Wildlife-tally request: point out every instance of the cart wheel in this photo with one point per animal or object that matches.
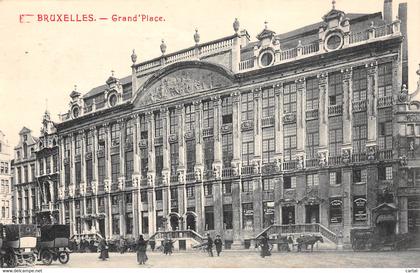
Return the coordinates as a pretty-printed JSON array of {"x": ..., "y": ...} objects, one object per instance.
[
  {"x": 10, "y": 260},
  {"x": 63, "y": 257},
  {"x": 46, "y": 257}
]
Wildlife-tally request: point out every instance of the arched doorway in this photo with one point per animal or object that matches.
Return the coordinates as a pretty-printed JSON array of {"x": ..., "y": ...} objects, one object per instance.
[
  {"x": 174, "y": 220},
  {"x": 191, "y": 220}
]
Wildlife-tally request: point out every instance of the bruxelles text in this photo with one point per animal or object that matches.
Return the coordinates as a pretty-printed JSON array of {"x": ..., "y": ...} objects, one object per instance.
[{"x": 91, "y": 18}]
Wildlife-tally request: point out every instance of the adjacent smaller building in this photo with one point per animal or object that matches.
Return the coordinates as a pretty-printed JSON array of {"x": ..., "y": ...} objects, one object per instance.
[{"x": 5, "y": 181}]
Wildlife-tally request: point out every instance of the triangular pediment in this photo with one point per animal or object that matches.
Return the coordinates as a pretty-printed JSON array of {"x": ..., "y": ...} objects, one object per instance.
[
  {"x": 266, "y": 33},
  {"x": 182, "y": 79}
]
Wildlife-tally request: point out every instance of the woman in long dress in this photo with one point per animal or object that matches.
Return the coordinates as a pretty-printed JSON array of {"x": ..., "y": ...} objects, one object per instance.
[{"x": 141, "y": 250}]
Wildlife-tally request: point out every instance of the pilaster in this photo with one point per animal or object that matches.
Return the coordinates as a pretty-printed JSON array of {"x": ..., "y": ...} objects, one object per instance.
[{"x": 323, "y": 110}]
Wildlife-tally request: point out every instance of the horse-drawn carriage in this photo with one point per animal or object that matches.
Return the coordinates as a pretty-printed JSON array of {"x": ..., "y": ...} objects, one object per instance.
[
  {"x": 369, "y": 239},
  {"x": 53, "y": 244},
  {"x": 19, "y": 245}
]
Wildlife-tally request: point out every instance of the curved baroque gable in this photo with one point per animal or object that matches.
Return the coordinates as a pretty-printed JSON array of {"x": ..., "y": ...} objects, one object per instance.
[{"x": 182, "y": 79}]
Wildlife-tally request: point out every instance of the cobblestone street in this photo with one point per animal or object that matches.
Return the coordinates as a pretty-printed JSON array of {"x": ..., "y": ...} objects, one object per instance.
[{"x": 229, "y": 259}]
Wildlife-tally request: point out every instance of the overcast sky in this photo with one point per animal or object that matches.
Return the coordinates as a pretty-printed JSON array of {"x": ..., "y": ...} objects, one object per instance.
[{"x": 40, "y": 61}]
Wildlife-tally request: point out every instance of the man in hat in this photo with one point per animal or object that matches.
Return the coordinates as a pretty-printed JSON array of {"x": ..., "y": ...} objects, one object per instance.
[
  {"x": 209, "y": 245},
  {"x": 218, "y": 244}
]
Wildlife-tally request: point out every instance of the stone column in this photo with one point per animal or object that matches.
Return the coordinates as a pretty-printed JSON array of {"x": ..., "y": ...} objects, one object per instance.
[
  {"x": 236, "y": 214},
  {"x": 257, "y": 204},
  {"x": 324, "y": 184},
  {"x": 181, "y": 131},
  {"x": 151, "y": 148},
  {"x": 300, "y": 114},
  {"x": 136, "y": 176},
  {"x": 347, "y": 203},
  {"x": 94, "y": 182},
  {"x": 198, "y": 138},
  {"x": 217, "y": 163},
  {"x": 166, "y": 151},
  {"x": 218, "y": 206},
  {"x": 372, "y": 95},
  {"x": 108, "y": 181},
  {"x": 347, "y": 105},
  {"x": 121, "y": 178},
  {"x": 278, "y": 116},
  {"x": 151, "y": 211},
  {"x": 236, "y": 130},
  {"x": 323, "y": 113},
  {"x": 257, "y": 124}
]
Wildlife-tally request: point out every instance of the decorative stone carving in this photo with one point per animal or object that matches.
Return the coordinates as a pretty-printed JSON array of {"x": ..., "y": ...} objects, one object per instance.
[
  {"x": 216, "y": 172},
  {"x": 61, "y": 193},
  {"x": 182, "y": 82},
  {"x": 83, "y": 189},
  {"x": 226, "y": 128},
  {"x": 165, "y": 178},
  {"x": 197, "y": 174},
  {"x": 247, "y": 125},
  {"x": 235, "y": 168},
  {"x": 181, "y": 177},
  {"x": 71, "y": 191},
  {"x": 403, "y": 160},
  {"x": 289, "y": 118},
  {"x": 371, "y": 153},
  {"x": 346, "y": 156},
  {"x": 278, "y": 164},
  {"x": 403, "y": 96},
  {"x": 121, "y": 183},
  {"x": 173, "y": 138},
  {"x": 322, "y": 156},
  {"x": 149, "y": 179},
  {"x": 189, "y": 135},
  {"x": 257, "y": 166},
  {"x": 301, "y": 162},
  {"x": 136, "y": 181}
]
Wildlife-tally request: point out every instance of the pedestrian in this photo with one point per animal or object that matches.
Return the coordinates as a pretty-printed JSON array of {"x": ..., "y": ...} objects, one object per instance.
[
  {"x": 290, "y": 243},
  {"x": 122, "y": 245},
  {"x": 103, "y": 249},
  {"x": 218, "y": 244},
  {"x": 209, "y": 245},
  {"x": 167, "y": 246},
  {"x": 265, "y": 247},
  {"x": 141, "y": 247},
  {"x": 152, "y": 244}
]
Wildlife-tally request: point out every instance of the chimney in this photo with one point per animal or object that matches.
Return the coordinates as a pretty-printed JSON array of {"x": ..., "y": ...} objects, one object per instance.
[
  {"x": 388, "y": 11},
  {"x": 402, "y": 15}
]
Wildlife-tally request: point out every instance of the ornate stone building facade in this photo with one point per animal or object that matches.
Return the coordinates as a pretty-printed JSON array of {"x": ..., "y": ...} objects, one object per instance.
[
  {"x": 236, "y": 136},
  {"x": 6, "y": 201}
]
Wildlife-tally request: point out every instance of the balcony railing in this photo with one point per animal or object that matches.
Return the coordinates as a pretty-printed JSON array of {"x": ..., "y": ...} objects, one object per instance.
[
  {"x": 143, "y": 181},
  {"x": 247, "y": 64},
  {"x": 208, "y": 132},
  {"x": 359, "y": 106},
  {"x": 128, "y": 183},
  {"x": 385, "y": 101},
  {"x": 190, "y": 176},
  {"x": 247, "y": 170},
  {"x": 358, "y": 157},
  {"x": 334, "y": 110},
  {"x": 267, "y": 121},
  {"x": 208, "y": 174},
  {"x": 290, "y": 165},
  {"x": 385, "y": 154},
  {"x": 312, "y": 114},
  {"x": 334, "y": 160},
  {"x": 312, "y": 162},
  {"x": 228, "y": 172}
]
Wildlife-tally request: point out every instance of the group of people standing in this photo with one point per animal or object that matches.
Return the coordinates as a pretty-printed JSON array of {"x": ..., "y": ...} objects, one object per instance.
[
  {"x": 217, "y": 243},
  {"x": 141, "y": 246}
]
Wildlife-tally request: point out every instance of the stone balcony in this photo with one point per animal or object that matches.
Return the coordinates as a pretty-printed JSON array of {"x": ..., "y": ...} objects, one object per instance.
[
  {"x": 359, "y": 106},
  {"x": 385, "y": 101},
  {"x": 312, "y": 114},
  {"x": 335, "y": 110}
]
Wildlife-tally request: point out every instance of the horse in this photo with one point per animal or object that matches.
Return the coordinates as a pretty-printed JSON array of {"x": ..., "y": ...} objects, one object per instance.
[{"x": 308, "y": 240}]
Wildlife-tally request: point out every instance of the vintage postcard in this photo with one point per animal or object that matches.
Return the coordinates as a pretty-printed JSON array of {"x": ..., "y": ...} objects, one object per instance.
[{"x": 210, "y": 134}]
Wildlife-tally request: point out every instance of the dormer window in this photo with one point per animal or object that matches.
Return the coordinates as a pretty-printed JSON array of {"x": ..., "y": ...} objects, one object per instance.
[
  {"x": 266, "y": 59},
  {"x": 334, "y": 41},
  {"x": 25, "y": 138},
  {"x": 113, "y": 100},
  {"x": 75, "y": 112}
]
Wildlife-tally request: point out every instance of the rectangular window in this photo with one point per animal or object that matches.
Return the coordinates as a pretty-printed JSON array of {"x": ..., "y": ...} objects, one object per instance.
[
  {"x": 190, "y": 192},
  {"x": 145, "y": 222},
  {"x": 335, "y": 178},
  {"x": 129, "y": 131},
  {"x": 289, "y": 141},
  {"x": 385, "y": 135},
  {"x": 67, "y": 174},
  {"x": 190, "y": 147},
  {"x": 247, "y": 106},
  {"x": 359, "y": 132},
  {"x": 129, "y": 223},
  {"x": 289, "y": 98},
  {"x": 209, "y": 217},
  {"x": 248, "y": 147},
  {"x": 268, "y": 211},
  {"x": 359, "y": 176},
  {"x": 227, "y": 188},
  {"x": 115, "y": 167},
  {"x": 78, "y": 170},
  {"x": 101, "y": 137},
  {"x": 189, "y": 118},
  {"x": 143, "y": 196},
  {"x": 78, "y": 144},
  {"x": 312, "y": 139},
  {"x": 385, "y": 80},
  {"x": 129, "y": 165},
  {"x": 359, "y": 83},
  {"x": 227, "y": 216},
  {"x": 159, "y": 195},
  {"x": 26, "y": 173},
  {"x": 208, "y": 190},
  {"x": 115, "y": 134},
  {"x": 336, "y": 211},
  {"x": 312, "y": 180},
  {"x": 385, "y": 173},
  {"x": 159, "y": 160},
  {"x": 335, "y": 88},
  {"x": 158, "y": 125},
  {"x": 143, "y": 127},
  {"x": 55, "y": 164},
  {"x": 67, "y": 147},
  {"x": 48, "y": 165},
  {"x": 312, "y": 94},
  {"x": 359, "y": 208},
  {"x": 227, "y": 149},
  {"x": 268, "y": 184},
  {"x": 289, "y": 182},
  {"x": 159, "y": 220},
  {"x": 335, "y": 136},
  {"x": 268, "y": 102},
  {"x": 268, "y": 145},
  {"x": 208, "y": 114},
  {"x": 174, "y": 193},
  {"x": 174, "y": 149},
  {"x": 101, "y": 170},
  {"x": 89, "y": 141},
  {"x": 41, "y": 167},
  {"x": 247, "y": 186},
  {"x": 173, "y": 121},
  {"x": 227, "y": 110},
  {"x": 208, "y": 150},
  {"x": 247, "y": 216},
  {"x": 144, "y": 158}
]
